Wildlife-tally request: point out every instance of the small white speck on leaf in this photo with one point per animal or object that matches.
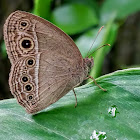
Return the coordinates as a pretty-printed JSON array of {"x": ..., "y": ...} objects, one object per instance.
[{"x": 98, "y": 135}]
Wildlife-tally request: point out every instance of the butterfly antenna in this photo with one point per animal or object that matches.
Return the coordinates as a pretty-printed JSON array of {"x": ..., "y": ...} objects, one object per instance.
[
  {"x": 99, "y": 48},
  {"x": 95, "y": 40}
]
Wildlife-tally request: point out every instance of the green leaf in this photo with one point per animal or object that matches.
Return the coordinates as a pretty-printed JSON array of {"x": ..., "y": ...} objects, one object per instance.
[
  {"x": 118, "y": 9},
  {"x": 3, "y": 50},
  {"x": 42, "y": 8},
  {"x": 115, "y": 112},
  {"x": 90, "y": 3},
  {"x": 74, "y": 18}
]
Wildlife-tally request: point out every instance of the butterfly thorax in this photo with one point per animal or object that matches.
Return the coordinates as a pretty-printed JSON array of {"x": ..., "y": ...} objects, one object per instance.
[{"x": 88, "y": 64}]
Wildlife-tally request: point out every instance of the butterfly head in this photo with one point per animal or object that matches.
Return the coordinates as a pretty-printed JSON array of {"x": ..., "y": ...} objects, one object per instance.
[{"x": 89, "y": 63}]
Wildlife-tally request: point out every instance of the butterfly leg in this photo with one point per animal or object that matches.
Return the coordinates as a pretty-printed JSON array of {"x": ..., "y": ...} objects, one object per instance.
[
  {"x": 96, "y": 83},
  {"x": 75, "y": 98}
]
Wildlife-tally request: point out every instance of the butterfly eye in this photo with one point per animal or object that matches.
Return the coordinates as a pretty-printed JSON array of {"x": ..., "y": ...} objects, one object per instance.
[
  {"x": 30, "y": 97},
  {"x": 25, "y": 79},
  {"x": 30, "y": 62},
  {"x": 24, "y": 72},
  {"x": 28, "y": 87},
  {"x": 23, "y": 25},
  {"x": 26, "y": 44}
]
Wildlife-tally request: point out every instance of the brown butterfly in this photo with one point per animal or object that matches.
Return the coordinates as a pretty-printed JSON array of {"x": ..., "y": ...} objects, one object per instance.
[{"x": 46, "y": 63}]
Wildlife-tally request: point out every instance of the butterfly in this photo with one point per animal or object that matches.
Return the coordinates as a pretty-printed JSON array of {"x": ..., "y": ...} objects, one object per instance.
[{"x": 46, "y": 63}]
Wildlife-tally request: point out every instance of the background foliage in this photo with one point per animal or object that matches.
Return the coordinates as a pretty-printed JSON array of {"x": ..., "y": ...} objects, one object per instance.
[{"x": 82, "y": 19}]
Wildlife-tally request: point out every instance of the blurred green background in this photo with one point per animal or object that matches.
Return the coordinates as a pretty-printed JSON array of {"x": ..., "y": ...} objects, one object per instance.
[{"x": 82, "y": 19}]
